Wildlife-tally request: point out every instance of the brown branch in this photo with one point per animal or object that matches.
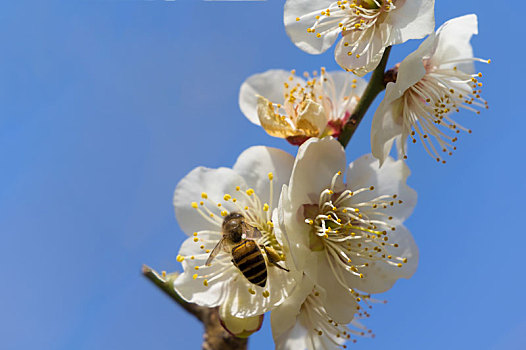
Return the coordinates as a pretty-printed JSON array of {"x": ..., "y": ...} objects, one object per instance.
[{"x": 215, "y": 336}]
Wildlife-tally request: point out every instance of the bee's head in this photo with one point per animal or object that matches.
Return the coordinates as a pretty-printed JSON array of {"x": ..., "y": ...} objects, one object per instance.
[{"x": 233, "y": 227}]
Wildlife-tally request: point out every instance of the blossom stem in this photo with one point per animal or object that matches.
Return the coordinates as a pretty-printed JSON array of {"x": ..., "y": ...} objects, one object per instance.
[
  {"x": 215, "y": 337},
  {"x": 376, "y": 85}
]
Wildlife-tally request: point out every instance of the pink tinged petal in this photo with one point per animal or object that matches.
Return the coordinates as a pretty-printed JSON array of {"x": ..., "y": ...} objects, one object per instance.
[
  {"x": 366, "y": 56},
  {"x": 412, "y": 19},
  {"x": 240, "y": 327},
  {"x": 215, "y": 183},
  {"x": 453, "y": 39},
  {"x": 389, "y": 180},
  {"x": 256, "y": 163},
  {"x": 306, "y": 11},
  {"x": 380, "y": 276},
  {"x": 317, "y": 162},
  {"x": 269, "y": 84}
]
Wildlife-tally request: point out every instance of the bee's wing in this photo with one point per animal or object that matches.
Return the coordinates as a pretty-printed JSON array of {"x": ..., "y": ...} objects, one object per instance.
[
  {"x": 220, "y": 245},
  {"x": 251, "y": 232}
]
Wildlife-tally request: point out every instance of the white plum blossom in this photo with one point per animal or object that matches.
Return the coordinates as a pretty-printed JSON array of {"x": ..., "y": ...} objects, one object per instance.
[
  {"x": 356, "y": 226},
  {"x": 367, "y": 27},
  {"x": 290, "y": 107},
  {"x": 437, "y": 79},
  {"x": 302, "y": 321},
  {"x": 201, "y": 199}
]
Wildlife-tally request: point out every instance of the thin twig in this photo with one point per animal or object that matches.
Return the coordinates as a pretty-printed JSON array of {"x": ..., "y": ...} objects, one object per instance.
[{"x": 375, "y": 86}]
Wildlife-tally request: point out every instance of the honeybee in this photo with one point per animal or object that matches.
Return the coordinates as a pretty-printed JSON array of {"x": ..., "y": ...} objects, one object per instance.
[{"x": 246, "y": 254}]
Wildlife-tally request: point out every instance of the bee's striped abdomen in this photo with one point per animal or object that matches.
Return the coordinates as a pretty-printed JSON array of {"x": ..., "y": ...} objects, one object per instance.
[{"x": 250, "y": 261}]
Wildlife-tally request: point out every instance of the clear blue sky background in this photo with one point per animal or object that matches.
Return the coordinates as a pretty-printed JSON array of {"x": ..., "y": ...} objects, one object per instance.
[{"x": 105, "y": 105}]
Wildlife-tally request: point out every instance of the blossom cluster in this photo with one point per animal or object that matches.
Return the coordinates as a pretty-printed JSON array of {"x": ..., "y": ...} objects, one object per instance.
[{"x": 310, "y": 238}]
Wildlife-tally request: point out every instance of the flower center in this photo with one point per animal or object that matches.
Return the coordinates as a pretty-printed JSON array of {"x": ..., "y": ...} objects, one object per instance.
[
  {"x": 352, "y": 232},
  {"x": 427, "y": 105},
  {"x": 255, "y": 212}
]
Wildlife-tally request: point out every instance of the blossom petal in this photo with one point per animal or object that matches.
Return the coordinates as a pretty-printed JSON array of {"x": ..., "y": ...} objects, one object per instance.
[
  {"x": 317, "y": 162},
  {"x": 255, "y": 164},
  {"x": 413, "y": 20},
  {"x": 268, "y": 84},
  {"x": 370, "y": 48},
  {"x": 284, "y": 317},
  {"x": 306, "y": 11},
  {"x": 340, "y": 303},
  {"x": 294, "y": 232},
  {"x": 380, "y": 276},
  {"x": 215, "y": 183},
  {"x": 390, "y": 180},
  {"x": 240, "y": 327},
  {"x": 386, "y": 124},
  {"x": 453, "y": 42}
]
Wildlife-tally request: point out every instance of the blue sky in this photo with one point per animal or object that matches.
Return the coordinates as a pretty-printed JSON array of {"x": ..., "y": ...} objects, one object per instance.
[{"x": 106, "y": 105}]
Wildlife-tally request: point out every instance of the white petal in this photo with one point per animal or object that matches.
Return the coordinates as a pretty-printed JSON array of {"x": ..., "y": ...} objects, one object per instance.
[
  {"x": 307, "y": 10},
  {"x": 453, "y": 42},
  {"x": 386, "y": 125},
  {"x": 316, "y": 164},
  {"x": 414, "y": 19},
  {"x": 342, "y": 94},
  {"x": 215, "y": 183},
  {"x": 193, "y": 289},
  {"x": 294, "y": 339},
  {"x": 390, "y": 179},
  {"x": 339, "y": 303},
  {"x": 254, "y": 165},
  {"x": 269, "y": 85},
  {"x": 283, "y": 318},
  {"x": 240, "y": 327},
  {"x": 379, "y": 276},
  {"x": 371, "y": 48}
]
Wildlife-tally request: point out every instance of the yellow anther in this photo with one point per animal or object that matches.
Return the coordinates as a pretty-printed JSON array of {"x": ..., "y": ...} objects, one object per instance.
[
  {"x": 163, "y": 274},
  {"x": 207, "y": 251},
  {"x": 250, "y": 192},
  {"x": 318, "y": 35},
  {"x": 204, "y": 195},
  {"x": 194, "y": 205},
  {"x": 227, "y": 197},
  {"x": 180, "y": 258},
  {"x": 196, "y": 267},
  {"x": 251, "y": 291},
  {"x": 265, "y": 207},
  {"x": 205, "y": 282},
  {"x": 270, "y": 176},
  {"x": 238, "y": 188},
  {"x": 371, "y": 188},
  {"x": 266, "y": 294},
  {"x": 224, "y": 213},
  {"x": 356, "y": 210},
  {"x": 297, "y": 18},
  {"x": 194, "y": 276}
]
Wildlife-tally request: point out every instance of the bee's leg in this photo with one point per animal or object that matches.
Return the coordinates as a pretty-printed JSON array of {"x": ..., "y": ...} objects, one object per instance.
[{"x": 273, "y": 257}]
